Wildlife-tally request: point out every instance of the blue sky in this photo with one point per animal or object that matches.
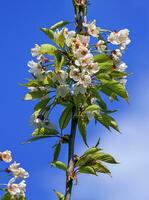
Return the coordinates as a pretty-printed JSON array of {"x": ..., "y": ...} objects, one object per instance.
[{"x": 19, "y": 31}]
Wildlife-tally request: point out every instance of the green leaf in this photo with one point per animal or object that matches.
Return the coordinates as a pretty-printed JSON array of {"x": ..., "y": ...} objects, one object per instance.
[
  {"x": 7, "y": 196},
  {"x": 107, "y": 158},
  {"x": 59, "y": 165},
  {"x": 98, "y": 167},
  {"x": 48, "y": 32},
  {"x": 84, "y": 160},
  {"x": 91, "y": 151},
  {"x": 45, "y": 131},
  {"x": 116, "y": 87},
  {"x": 105, "y": 62},
  {"x": 35, "y": 95},
  {"x": 112, "y": 96},
  {"x": 59, "y": 25},
  {"x": 47, "y": 49},
  {"x": 87, "y": 170},
  {"x": 65, "y": 117},
  {"x": 36, "y": 138},
  {"x": 107, "y": 121},
  {"x": 60, "y": 40},
  {"x": 59, "y": 61},
  {"x": 31, "y": 83},
  {"x": 59, "y": 195},
  {"x": 82, "y": 124},
  {"x": 42, "y": 104},
  {"x": 118, "y": 74},
  {"x": 48, "y": 80},
  {"x": 100, "y": 101},
  {"x": 91, "y": 108},
  {"x": 57, "y": 152}
]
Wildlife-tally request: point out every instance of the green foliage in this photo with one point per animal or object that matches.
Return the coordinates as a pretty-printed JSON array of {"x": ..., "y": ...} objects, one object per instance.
[
  {"x": 59, "y": 165},
  {"x": 42, "y": 133},
  {"x": 57, "y": 151},
  {"x": 105, "y": 62},
  {"x": 115, "y": 87},
  {"x": 48, "y": 49},
  {"x": 59, "y": 24},
  {"x": 82, "y": 124},
  {"x": 48, "y": 32},
  {"x": 42, "y": 104},
  {"x": 7, "y": 196},
  {"x": 91, "y": 162},
  {"x": 35, "y": 95},
  {"x": 107, "y": 121},
  {"x": 59, "y": 195},
  {"x": 65, "y": 117},
  {"x": 59, "y": 61}
]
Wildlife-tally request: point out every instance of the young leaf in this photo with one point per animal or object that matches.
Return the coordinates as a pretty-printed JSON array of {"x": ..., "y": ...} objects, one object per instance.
[
  {"x": 42, "y": 104},
  {"x": 35, "y": 95},
  {"x": 59, "y": 61},
  {"x": 57, "y": 152},
  {"x": 107, "y": 158},
  {"x": 91, "y": 108},
  {"x": 65, "y": 117},
  {"x": 7, "y": 196},
  {"x": 36, "y": 138},
  {"x": 59, "y": 195},
  {"x": 105, "y": 62},
  {"x": 48, "y": 32},
  {"x": 98, "y": 167},
  {"x": 87, "y": 170},
  {"x": 59, "y": 165},
  {"x": 47, "y": 49},
  {"x": 59, "y": 25},
  {"x": 82, "y": 128},
  {"x": 91, "y": 151},
  {"x": 60, "y": 40},
  {"x": 107, "y": 121},
  {"x": 116, "y": 87}
]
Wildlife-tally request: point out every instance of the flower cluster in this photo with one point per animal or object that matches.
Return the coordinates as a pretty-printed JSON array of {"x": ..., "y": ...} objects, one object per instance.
[
  {"x": 13, "y": 188},
  {"x": 76, "y": 70}
]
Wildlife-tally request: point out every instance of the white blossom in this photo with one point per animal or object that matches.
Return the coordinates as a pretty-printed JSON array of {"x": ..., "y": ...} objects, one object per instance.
[
  {"x": 120, "y": 38},
  {"x": 93, "y": 68},
  {"x": 62, "y": 90},
  {"x": 121, "y": 67},
  {"x": 101, "y": 46},
  {"x": 60, "y": 76},
  {"x": 17, "y": 190},
  {"x": 82, "y": 51},
  {"x": 6, "y": 156},
  {"x": 74, "y": 73},
  {"x": 85, "y": 80},
  {"x": 79, "y": 41},
  {"x": 123, "y": 81},
  {"x": 85, "y": 60},
  {"x": 36, "y": 51},
  {"x": 35, "y": 68},
  {"x": 36, "y": 121},
  {"x": 79, "y": 89},
  {"x": 117, "y": 54},
  {"x": 84, "y": 40},
  {"x": 80, "y": 2},
  {"x": 17, "y": 171},
  {"x": 92, "y": 29}
]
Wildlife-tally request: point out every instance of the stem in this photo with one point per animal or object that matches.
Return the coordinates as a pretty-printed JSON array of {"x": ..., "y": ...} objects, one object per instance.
[
  {"x": 71, "y": 162},
  {"x": 79, "y": 17}
]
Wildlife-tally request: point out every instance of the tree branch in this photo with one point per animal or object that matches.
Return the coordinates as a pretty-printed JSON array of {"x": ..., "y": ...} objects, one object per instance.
[{"x": 71, "y": 163}]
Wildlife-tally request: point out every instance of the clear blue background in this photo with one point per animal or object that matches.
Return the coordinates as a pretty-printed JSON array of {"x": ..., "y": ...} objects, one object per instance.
[{"x": 19, "y": 31}]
